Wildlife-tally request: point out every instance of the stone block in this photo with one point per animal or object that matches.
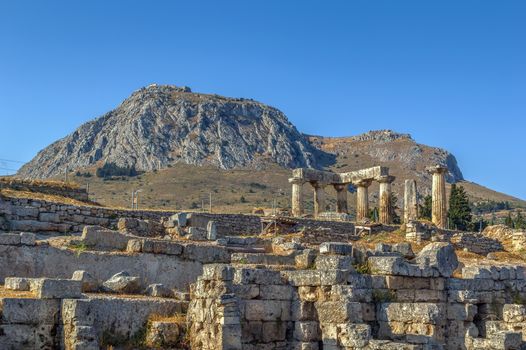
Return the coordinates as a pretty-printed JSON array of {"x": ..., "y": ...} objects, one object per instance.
[
  {"x": 27, "y": 238},
  {"x": 48, "y": 288},
  {"x": 388, "y": 265},
  {"x": 100, "y": 237},
  {"x": 342, "y": 311},
  {"x": 355, "y": 335},
  {"x": 336, "y": 248},
  {"x": 30, "y": 311},
  {"x": 9, "y": 239},
  {"x": 17, "y": 283},
  {"x": 263, "y": 310},
  {"x": 275, "y": 292},
  {"x": 158, "y": 290},
  {"x": 49, "y": 217},
  {"x": 257, "y": 276},
  {"x": 305, "y": 259},
  {"x": 273, "y": 331},
  {"x": 440, "y": 256},
  {"x": 134, "y": 246},
  {"x": 307, "y": 331},
  {"x": 333, "y": 262},
  {"x": 303, "y": 277},
  {"x": 122, "y": 282},
  {"x": 221, "y": 272},
  {"x": 206, "y": 254},
  {"x": 89, "y": 283},
  {"x": 211, "y": 230}
]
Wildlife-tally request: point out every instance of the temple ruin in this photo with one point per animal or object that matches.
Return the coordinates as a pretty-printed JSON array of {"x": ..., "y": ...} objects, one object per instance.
[{"x": 361, "y": 179}]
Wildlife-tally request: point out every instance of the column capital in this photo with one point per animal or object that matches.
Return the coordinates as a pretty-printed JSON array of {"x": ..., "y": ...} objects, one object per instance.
[
  {"x": 340, "y": 187},
  {"x": 436, "y": 169},
  {"x": 318, "y": 184},
  {"x": 296, "y": 181},
  {"x": 364, "y": 183},
  {"x": 386, "y": 179}
]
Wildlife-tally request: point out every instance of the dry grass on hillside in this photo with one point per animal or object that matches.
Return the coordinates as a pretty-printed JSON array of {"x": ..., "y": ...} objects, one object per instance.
[
  {"x": 48, "y": 183},
  {"x": 42, "y": 196}
]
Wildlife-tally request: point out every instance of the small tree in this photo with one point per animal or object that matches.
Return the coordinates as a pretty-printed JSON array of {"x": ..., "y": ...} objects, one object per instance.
[
  {"x": 242, "y": 199},
  {"x": 459, "y": 212},
  {"x": 425, "y": 210},
  {"x": 519, "y": 223},
  {"x": 509, "y": 220}
]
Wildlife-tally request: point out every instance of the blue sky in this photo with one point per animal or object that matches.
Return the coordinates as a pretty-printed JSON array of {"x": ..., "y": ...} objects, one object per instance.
[{"x": 451, "y": 73}]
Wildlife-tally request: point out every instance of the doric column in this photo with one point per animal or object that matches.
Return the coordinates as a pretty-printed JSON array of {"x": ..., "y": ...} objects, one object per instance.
[
  {"x": 439, "y": 209},
  {"x": 362, "y": 199},
  {"x": 341, "y": 198},
  {"x": 297, "y": 196},
  {"x": 385, "y": 199},
  {"x": 319, "y": 198},
  {"x": 410, "y": 201}
]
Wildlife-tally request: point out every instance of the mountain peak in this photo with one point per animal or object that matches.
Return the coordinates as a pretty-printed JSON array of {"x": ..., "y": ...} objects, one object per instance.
[{"x": 160, "y": 125}]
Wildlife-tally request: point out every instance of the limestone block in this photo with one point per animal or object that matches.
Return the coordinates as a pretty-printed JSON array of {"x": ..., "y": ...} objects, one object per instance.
[
  {"x": 511, "y": 313},
  {"x": 341, "y": 311},
  {"x": 17, "y": 283},
  {"x": 89, "y": 283},
  {"x": 332, "y": 277},
  {"x": 30, "y": 311},
  {"x": 181, "y": 219},
  {"x": 197, "y": 234},
  {"x": 276, "y": 292},
  {"x": 206, "y": 254},
  {"x": 440, "y": 256},
  {"x": 263, "y": 310},
  {"x": 26, "y": 212},
  {"x": 257, "y": 276},
  {"x": 423, "y": 313},
  {"x": 333, "y": 262},
  {"x": 222, "y": 272},
  {"x": 307, "y": 331},
  {"x": 163, "y": 333},
  {"x": 247, "y": 291},
  {"x": 161, "y": 247},
  {"x": 354, "y": 335},
  {"x": 158, "y": 290},
  {"x": 303, "y": 277},
  {"x": 9, "y": 239},
  {"x": 100, "y": 237},
  {"x": 49, "y": 217},
  {"x": 403, "y": 248},
  {"x": 27, "y": 238},
  {"x": 122, "y": 282},
  {"x": 388, "y": 265},
  {"x": 211, "y": 230},
  {"x": 48, "y": 288},
  {"x": 303, "y": 311},
  {"x": 336, "y": 248},
  {"x": 134, "y": 246},
  {"x": 273, "y": 331},
  {"x": 305, "y": 259},
  {"x": 462, "y": 312}
]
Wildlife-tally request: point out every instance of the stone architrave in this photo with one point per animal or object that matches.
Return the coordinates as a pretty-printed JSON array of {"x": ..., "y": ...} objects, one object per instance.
[
  {"x": 341, "y": 198},
  {"x": 439, "y": 208},
  {"x": 410, "y": 201},
  {"x": 362, "y": 199},
  {"x": 297, "y": 196},
  {"x": 385, "y": 199}
]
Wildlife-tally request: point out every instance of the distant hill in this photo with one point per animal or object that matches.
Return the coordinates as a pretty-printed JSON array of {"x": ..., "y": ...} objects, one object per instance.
[
  {"x": 190, "y": 145},
  {"x": 162, "y": 125}
]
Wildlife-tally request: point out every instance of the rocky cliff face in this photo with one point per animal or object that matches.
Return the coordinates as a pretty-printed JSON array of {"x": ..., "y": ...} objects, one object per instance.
[
  {"x": 404, "y": 157},
  {"x": 161, "y": 125}
]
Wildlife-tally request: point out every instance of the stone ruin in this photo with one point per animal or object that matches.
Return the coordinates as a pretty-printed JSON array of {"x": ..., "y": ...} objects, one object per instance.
[{"x": 84, "y": 277}]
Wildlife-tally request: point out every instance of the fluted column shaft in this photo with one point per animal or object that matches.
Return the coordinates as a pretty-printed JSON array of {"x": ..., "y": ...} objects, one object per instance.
[
  {"x": 341, "y": 198},
  {"x": 410, "y": 201},
  {"x": 439, "y": 208},
  {"x": 385, "y": 199},
  {"x": 319, "y": 198},
  {"x": 362, "y": 200},
  {"x": 297, "y": 197}
]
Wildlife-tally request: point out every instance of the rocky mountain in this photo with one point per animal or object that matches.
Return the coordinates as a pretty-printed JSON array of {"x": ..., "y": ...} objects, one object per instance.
[
  {"x": 405, "y": 157},
  {"x": 162, "y": 125}
]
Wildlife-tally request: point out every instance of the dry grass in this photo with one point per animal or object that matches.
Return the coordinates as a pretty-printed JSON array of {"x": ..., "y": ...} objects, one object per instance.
[
  {"x": 6, "y": 293},
  {"x": 48, "y": 183},
  {"x": 42, "y": 196}
]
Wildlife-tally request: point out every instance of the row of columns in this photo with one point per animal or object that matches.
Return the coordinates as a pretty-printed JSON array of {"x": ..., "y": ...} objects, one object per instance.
[
  {"x": 438, "y": 194},
  {"x": 439, "y": 203},
  {"x": 362, "y": 205}
]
